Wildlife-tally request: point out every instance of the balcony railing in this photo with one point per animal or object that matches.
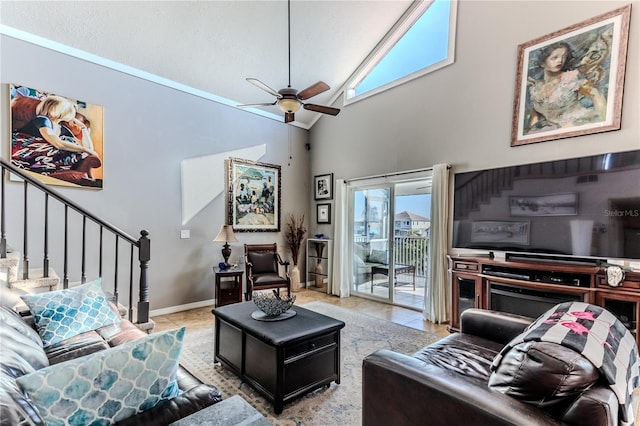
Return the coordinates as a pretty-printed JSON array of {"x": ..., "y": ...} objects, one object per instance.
[{"x": 407, "y": 250}]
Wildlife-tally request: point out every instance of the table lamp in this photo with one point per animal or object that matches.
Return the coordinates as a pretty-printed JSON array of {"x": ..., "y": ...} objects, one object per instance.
[{"x": 224, "y": 236}]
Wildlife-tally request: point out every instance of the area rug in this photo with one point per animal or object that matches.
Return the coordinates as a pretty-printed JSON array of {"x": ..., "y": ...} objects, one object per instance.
[{"x": 337, "y": 405}]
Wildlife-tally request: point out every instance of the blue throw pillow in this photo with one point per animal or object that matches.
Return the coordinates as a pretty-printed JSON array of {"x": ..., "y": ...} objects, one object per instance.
[
  {"x": 108, "y": 386},
  {"x": 62, "y": 314}
]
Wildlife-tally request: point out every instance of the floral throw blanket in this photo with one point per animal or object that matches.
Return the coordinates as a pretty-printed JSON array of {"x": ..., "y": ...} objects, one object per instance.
[
  {"x": 600, "y": 337},
  {"x": 37, "y": 155}
]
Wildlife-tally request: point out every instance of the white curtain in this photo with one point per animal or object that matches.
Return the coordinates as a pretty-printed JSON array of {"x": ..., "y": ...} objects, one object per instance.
[
  {"x": 437, "y": 296},
  {"x": 340, "y": 278}
]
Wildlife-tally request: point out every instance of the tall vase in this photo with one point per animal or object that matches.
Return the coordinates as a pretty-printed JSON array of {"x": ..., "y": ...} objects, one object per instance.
[
  {"x": 318, "y": 269},
  {"x": 294, "y": 274},
  {"x": 319, "y": 277}
]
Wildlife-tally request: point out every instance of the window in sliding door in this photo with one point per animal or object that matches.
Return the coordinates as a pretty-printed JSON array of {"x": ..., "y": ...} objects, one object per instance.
[
  {"x": 371, "y": 229},
  {"x": 390, "y": 239}
]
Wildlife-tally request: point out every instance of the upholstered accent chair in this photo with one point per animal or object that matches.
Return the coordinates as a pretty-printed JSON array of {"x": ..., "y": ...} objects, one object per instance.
[{"x": 263, "y": 265}]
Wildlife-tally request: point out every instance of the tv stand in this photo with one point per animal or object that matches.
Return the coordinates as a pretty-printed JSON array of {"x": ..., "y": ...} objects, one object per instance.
[
  {"x": 530, "y": 286},
  {"x": 533, "y": 257}
]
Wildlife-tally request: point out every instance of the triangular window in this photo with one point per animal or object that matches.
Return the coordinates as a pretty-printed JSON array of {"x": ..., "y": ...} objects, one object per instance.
[{"x": 422, "y": 41}]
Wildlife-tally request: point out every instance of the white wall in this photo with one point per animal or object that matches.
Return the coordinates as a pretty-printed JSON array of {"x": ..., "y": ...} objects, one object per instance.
[
  {"x": 149, "y": 130},
  {"x": 461, "y": 114}
]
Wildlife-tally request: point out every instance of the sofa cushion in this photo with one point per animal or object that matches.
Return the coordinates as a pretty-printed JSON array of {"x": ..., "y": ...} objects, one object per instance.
[
  {"x": 110, "y": 385},
  {"x": 62, "y": 314},
  {"x": 462, "y": 353},
  {"x": 379, "y": 256},
  {"x": 83, "y": 344},
  {"x": 543, "y": 374},
  {"x": 20, "y": 353}
]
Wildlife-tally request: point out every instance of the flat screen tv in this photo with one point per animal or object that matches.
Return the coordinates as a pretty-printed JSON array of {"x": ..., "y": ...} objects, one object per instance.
[{"x": 587, "y": 208}]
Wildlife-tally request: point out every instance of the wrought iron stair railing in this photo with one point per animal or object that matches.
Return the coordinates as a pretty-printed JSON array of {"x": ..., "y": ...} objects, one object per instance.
[{"x": 82, "y": 246}]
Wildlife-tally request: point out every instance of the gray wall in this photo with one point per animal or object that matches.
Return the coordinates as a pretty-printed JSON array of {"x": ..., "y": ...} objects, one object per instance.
[
  {"x": 461, "y": 114},
  {"x": 149, "y": 130}
]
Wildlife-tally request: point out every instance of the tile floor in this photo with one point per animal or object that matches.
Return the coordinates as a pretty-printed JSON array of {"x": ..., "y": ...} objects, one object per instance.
[{"x": 200, "y": 318}]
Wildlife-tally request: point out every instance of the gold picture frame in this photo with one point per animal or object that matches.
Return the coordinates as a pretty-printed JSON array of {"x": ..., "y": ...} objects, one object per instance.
[
  {"x": 253, "y": 196},
  {"x": 570, "y": 82}
]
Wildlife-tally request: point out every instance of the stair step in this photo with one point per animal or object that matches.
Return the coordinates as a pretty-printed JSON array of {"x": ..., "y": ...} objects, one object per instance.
[
  {"x": 37, "y": 280},
  {"x": 11, "y": 263}
]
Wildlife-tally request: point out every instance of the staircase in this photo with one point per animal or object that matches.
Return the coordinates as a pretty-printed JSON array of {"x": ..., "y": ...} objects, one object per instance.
[{"x": 73, "y": 244}]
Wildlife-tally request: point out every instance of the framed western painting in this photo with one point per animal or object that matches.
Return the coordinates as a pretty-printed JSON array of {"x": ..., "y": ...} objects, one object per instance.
[
  {"x": 253, "y": 196},
  {"x": 570, "y": 82},
  {"x": 56, "y": 139},
  {"x": 323, "y": 187},
  {"x": 323, "y": 213}
]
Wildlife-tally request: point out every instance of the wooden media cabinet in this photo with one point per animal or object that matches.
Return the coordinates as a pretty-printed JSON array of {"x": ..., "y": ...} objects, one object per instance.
[{"x": 530, "y": 287}]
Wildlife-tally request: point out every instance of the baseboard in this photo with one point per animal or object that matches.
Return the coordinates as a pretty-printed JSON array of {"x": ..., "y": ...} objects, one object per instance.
[{"x": 180, "y": 308}]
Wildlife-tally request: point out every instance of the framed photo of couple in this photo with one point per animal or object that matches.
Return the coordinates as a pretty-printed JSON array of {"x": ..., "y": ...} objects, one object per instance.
[{"x": 570, "y": 82}]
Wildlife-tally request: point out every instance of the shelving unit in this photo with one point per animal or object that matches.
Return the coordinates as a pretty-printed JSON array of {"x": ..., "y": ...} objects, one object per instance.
[
  {"x": 319, "y": 260},
  {"x": 519, "y": 286}
]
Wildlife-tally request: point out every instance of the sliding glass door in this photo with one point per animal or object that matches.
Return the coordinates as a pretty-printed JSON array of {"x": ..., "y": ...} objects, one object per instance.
[
  {"x": 390, "y": 240},
  {"x": 371, "y": 229}
]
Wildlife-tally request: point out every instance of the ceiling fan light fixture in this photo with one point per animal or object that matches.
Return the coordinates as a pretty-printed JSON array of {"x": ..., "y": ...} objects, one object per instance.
[{"x": 289, "y": 105}]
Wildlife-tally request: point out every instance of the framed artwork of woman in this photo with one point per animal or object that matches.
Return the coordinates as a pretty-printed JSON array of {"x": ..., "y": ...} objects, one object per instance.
[{"x": 570, "y": 82}]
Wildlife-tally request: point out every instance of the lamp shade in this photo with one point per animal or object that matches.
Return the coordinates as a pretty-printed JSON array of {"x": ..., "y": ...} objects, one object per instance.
[
  {"x": 225, "y": 235},
  {"x": 289, "y": 105}
]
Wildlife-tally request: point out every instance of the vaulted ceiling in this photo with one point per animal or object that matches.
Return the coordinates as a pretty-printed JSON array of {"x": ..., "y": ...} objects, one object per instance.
[{"x": 212, "y": 46}]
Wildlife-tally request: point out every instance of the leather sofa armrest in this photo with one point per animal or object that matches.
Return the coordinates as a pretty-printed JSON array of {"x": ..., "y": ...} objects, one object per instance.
[
  {"x": 174, "y": 409},
  {"x": 597, "y": 406},
  {"x": 500, "y": 327},
  {"x": 401, "y": 390}
]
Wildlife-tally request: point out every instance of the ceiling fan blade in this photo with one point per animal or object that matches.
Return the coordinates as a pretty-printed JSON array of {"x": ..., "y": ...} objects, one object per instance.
[
  {"x": 322, "y": 109},
  {"x": 313, "y": 90},
  {"x": 288, "y": 117},
  {"x": 264, "y": 87},
  {"x": 257, "y": 105}
]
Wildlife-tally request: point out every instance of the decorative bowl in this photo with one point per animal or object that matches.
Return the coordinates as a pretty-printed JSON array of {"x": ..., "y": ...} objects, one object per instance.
[
  {"x": 319, "y": 235},
  {"x": 272, "y": 305}
]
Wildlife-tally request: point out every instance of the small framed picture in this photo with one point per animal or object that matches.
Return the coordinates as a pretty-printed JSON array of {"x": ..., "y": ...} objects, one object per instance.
[
  {"x": 323, "y": 187},
  {"x": 323, "y": 213}
]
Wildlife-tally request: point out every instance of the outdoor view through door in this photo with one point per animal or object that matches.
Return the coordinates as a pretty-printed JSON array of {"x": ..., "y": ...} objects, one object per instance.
[{"x": 390, "y": 255}]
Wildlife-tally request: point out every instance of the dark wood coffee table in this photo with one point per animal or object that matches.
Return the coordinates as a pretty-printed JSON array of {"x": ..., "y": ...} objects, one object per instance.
[{"x": 282, "y": 360}]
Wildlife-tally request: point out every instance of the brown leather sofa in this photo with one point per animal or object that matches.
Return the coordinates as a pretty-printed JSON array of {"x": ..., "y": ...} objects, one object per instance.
[
  {"x": 22, "y": 353},
  {"x": 448, "y": 382}
]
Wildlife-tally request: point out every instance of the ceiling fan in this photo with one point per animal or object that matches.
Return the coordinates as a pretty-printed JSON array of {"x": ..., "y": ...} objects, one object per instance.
[{"x": 289, "y": 100}]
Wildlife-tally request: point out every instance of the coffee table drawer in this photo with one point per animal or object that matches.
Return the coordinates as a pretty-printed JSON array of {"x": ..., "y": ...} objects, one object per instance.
[
  {"x": 307, "y": 372},
  {"x": 310, "y": 345}
]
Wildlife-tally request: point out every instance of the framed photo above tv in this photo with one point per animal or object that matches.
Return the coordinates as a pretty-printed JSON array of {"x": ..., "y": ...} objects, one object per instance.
[{"x": 570, "y": 82}]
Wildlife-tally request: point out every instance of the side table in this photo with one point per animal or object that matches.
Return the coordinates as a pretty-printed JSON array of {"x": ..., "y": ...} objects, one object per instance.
[{"x": 228, "y": 286}]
